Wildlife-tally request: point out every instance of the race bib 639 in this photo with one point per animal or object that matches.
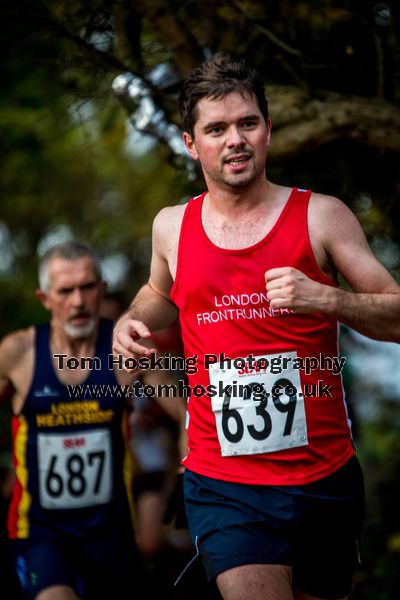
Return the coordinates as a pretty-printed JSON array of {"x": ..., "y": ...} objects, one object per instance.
[{"x": 257, "y": 411}]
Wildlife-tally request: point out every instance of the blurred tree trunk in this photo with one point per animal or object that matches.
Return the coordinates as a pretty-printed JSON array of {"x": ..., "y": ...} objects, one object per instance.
[{"x": 303, "y": 124}]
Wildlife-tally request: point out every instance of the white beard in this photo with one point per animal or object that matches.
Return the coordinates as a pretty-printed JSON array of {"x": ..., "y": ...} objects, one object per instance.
[{"x": 78, "y": 332}]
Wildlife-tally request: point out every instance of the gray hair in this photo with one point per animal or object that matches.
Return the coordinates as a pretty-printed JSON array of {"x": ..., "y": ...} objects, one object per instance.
[{"x": 69, "y": 250}]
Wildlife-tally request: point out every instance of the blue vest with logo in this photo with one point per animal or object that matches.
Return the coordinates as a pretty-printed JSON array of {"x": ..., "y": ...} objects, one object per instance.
[{"x": 70, "y": 453}]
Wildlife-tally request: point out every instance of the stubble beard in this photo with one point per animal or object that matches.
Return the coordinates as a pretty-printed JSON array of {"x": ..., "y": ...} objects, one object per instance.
[{"x": 241, "y": 180}]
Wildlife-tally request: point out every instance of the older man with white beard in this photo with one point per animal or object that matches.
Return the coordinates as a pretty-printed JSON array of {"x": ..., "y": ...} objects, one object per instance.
[{"x": 69, "y": 518}]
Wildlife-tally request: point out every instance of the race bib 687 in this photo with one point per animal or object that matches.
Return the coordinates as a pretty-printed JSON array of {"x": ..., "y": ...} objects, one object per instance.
[{"x": 74, "y": 469}]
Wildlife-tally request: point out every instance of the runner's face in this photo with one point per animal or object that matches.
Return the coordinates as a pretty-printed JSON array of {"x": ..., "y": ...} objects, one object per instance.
[
  {"x": 230, "y": 140},
  {"x": 74, "y": 296}
]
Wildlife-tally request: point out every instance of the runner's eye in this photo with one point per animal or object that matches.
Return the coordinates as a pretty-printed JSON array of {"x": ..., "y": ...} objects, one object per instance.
[
  {"x": 251, "y": 123},
  {"x": 214, "y": 129},
  {"x": 89, "y": 286}
]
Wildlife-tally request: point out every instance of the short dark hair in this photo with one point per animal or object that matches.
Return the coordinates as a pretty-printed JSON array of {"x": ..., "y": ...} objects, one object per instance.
[{"x": 216, "y": 78}]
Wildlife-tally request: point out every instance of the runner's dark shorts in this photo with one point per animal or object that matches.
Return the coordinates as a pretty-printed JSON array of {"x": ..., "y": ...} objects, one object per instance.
[
  {"x": 313, "y": 528},
  {"x": 97, "y": 570}
]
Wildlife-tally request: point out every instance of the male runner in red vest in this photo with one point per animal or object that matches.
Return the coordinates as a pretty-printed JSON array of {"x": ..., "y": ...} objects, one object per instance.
[{"x": 274, "y": 493}]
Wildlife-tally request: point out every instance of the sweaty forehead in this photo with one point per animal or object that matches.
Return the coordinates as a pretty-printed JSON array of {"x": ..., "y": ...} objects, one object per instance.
[{"x": 69, "y": 273}]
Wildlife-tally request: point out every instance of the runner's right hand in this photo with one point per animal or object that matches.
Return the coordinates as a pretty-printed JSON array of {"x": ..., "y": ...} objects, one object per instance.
[{"x": 127, "y": 337}]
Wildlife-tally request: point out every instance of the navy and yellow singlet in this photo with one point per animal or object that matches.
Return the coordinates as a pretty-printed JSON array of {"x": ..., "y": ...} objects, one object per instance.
[{"x": 70, "y": 455}]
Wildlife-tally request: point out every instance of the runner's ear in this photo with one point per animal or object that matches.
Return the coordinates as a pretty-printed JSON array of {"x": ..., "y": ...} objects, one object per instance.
[
  {"x": 42, "y": 297},
  {"x": 190, "y": 145}
]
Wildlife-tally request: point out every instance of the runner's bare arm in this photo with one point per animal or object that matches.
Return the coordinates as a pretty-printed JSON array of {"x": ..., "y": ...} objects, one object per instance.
[
  {"x": 12, "y": 348},
  {"x": 151, "y": 309},
  {"x": 372, "y": 307},
  {"x": 174, "y": 405}
]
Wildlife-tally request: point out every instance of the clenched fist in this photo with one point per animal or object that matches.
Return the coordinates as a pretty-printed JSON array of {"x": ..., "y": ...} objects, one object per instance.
[{"x": 290, "y": 288}]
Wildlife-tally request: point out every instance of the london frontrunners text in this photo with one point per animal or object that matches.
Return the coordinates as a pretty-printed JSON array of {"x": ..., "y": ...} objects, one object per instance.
[{"x": 275, "y": 364}]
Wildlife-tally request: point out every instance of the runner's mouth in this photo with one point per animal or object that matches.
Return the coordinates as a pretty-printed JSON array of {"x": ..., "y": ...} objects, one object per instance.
[
  {"x": 237, "y": 159},
  {"x": 79, "y": 317}
]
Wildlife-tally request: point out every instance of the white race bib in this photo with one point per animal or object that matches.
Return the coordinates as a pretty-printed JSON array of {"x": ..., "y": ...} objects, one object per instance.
[
  {"x": 257, "y": 411},
  {"x": 74, "y": 469}
]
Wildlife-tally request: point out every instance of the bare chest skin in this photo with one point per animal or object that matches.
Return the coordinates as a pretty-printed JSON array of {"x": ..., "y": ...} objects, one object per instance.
[
  {"x": 239, "y": 231},
  {"x": 245, "y": 231}
]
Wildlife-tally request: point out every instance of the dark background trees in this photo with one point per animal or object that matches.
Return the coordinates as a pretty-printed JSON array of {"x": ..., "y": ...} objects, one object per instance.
[
  {"x": 71, "y": 165},
  {"x": 331, "y": 71}
]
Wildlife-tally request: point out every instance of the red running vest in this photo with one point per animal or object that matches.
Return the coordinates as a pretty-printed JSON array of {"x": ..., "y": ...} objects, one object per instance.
[{"x": 267, "y": 401}]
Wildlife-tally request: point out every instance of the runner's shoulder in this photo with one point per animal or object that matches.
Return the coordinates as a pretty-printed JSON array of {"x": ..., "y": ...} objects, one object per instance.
[
  {"x": 168, "y": 221},
  {"x": 15, "y": 346},
  {"x": 326, "y": 205},
  {"x": 330, "y": 215},
  {"x": 170, "y": 215}
]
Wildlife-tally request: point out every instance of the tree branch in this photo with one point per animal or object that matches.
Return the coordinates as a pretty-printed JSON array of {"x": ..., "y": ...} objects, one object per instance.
[{"x": 301, "y": 123}]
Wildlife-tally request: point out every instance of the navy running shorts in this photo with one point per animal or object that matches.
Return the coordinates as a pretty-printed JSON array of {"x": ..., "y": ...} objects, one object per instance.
[
  {"x": 99, "y": 570},
  {"x": 312, "y": 528}
]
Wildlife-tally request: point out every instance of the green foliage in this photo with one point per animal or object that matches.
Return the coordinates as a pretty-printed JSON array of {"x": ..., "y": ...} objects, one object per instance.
[
  {"x": 63, "y": 134},
  {"x": 379, "y": 573}
]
